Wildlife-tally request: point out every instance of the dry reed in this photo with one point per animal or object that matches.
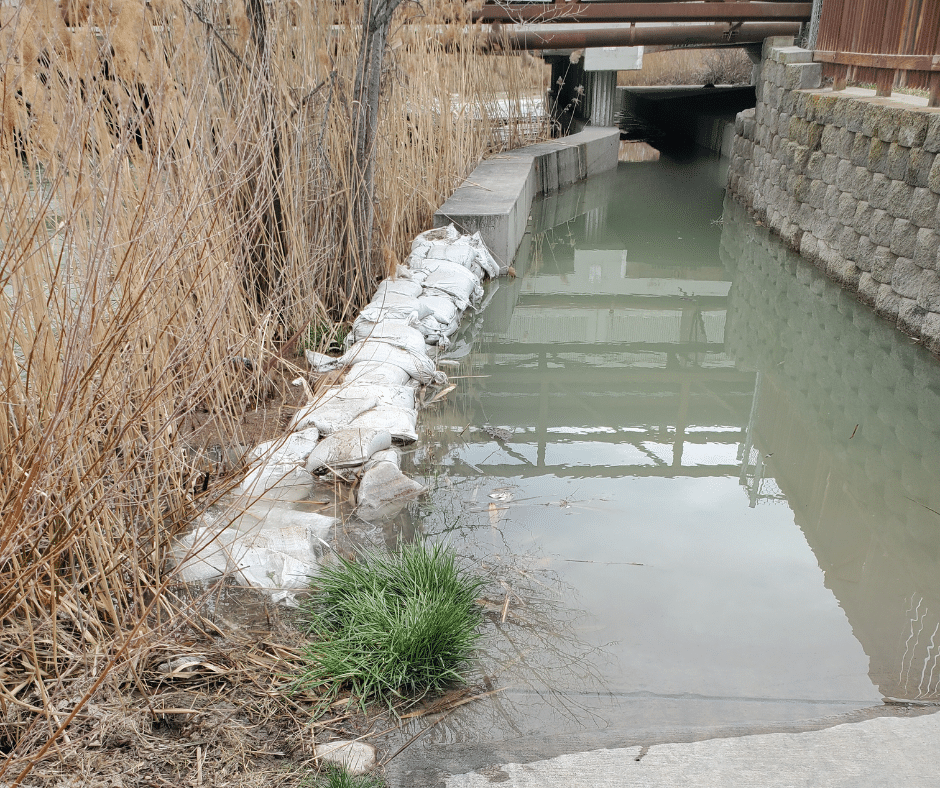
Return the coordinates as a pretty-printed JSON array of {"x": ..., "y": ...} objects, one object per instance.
[
  {"x": 175, "y": 188},
  {"x": 690, "y": 67}
]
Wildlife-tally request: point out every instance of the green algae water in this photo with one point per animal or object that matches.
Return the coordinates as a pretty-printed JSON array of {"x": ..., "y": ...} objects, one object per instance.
[{"x": 705, "y": 480}]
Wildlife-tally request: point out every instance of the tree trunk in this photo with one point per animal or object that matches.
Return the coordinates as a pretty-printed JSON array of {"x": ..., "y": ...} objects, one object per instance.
[{"x": 376, "y": 21}]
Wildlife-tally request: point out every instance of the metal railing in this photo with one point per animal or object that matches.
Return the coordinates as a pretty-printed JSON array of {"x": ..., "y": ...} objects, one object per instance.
[{"x": 891, "y": 43}]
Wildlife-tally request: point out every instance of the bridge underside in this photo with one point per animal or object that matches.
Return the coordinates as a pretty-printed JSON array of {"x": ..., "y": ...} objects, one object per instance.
[{"x": 598, "y": 23}]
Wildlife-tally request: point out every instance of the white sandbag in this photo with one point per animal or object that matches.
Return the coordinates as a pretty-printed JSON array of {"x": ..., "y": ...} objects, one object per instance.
[
  {"x": 400, "y": 422},
  {"x": 282, "y": 553},
  {"x": 396, "y": 396},
  {"x": 384, "y": 491},
  {"x": 486, "y": 260},
  {"x": 348, "y": 448},
  {"x": 376, "y": 351},
  {"x": 397, "y": 333},
  {"x": 291, "y": 448},
  {"x": 272, "y": 570},
  {"x": 442, "y": 309},
  {"x": 391, "y": 289},
  {"x": 462, "y": 252},
  {"x": 377, "y": 374},
  {"x": 433, "y": 332},
  {"x": 472, "y": 267},
  {"x": 275, "y": 481},
  {"x": 320, "y": 362},
  {"x": 453, "y": 279},
  {"x": 333, "y": 410},
  {"x": 410, "y": 314},
  {"x": 203, "y": 553},
  {"x": 314, "y": 526},
  {"x": 436, "y": 235},
  {"x": 392, "y": 455}
]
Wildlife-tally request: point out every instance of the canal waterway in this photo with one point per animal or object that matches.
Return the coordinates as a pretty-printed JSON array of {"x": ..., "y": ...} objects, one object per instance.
[{"x": 705, "y": 480}]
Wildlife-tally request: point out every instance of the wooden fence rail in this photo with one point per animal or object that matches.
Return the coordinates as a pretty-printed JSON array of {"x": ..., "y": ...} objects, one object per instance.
[{"x": 892, "y": 43}]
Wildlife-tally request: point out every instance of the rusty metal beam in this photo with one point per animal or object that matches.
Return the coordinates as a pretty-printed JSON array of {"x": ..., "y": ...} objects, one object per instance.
[
  {"x": 613, "y": 11},
  {"x": 523, "y": 37}
]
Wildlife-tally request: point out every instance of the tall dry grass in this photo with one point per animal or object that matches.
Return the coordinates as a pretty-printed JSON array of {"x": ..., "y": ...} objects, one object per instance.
[
  {"x": 175, "y": 189},
  {"x": 690, "y": 67}
]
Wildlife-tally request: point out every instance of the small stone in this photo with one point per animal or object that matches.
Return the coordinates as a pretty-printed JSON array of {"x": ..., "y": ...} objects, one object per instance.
[{"x": 356, "y": 757}]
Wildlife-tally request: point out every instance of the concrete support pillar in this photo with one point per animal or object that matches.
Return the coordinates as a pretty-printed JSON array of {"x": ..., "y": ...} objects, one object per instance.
[{"x": 600, "y": 97}]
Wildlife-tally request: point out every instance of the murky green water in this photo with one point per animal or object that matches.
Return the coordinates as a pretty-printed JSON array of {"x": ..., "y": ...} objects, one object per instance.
[{"x": 706, "y": 479}]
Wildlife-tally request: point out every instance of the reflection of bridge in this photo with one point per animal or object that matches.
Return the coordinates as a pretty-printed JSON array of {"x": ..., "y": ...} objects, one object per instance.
[{"x": 616, "y": 367}]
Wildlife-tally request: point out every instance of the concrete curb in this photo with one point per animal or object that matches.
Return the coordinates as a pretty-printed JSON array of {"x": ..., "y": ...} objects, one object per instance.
[
  {"x": 496, "y": 197},
  {"x": 881, "y": 753}
]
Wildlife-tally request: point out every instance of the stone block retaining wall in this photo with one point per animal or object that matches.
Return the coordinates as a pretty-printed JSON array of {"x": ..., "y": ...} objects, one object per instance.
[{"x": 849, "y": 180}]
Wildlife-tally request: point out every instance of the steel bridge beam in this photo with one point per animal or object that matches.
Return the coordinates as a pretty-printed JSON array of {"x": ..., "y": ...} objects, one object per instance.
[
  {"x": 618, "y": 11},
  {"x": 541, "y": 37}
]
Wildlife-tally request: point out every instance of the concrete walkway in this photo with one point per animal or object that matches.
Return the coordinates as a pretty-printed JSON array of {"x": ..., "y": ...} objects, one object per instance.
[{"x": 888, "y": 752}]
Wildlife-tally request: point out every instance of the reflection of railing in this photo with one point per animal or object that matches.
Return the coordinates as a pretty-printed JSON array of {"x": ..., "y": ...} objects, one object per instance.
[{"x": 881, "y": 41}]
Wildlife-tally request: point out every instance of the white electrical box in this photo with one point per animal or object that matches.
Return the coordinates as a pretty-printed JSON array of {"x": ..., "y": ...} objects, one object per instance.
[{"x": 613, "y": 58}]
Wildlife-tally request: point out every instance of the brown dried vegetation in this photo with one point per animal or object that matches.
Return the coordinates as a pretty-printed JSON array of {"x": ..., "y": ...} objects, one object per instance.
[{"x": 176, "y": 186}]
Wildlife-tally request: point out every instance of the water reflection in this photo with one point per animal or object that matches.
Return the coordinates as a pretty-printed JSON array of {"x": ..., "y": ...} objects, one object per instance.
[
  {"x": 849, "y": 411},
  {"x": 728, "y": 464}
]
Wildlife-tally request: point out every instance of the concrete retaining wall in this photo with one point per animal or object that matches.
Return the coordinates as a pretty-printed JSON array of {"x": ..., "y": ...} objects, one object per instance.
[
  {"x": 495, "y": 199},
  {"x": 850, "y": 180}
]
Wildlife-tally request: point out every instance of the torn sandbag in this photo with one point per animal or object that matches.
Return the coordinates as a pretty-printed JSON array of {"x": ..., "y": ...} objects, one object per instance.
[
  {"x": 400, "y": 422},
  {"x": 438, "y": 234},
  {"x": 333, "y": 410},
  {"x": 280, "y": 574},
  {"x": 291, "y": 448},
  {"x": 384, "y": 491},
  {"x": 485, "y": 259},
  {"x": 274, "y": 552},
  {"x": 275, "y": 481},
  {"x": 369, "y": 374},
  {"x": 347, "y": 448}
]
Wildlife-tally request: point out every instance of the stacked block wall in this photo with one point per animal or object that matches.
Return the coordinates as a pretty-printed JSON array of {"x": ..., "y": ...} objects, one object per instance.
[{"x": 851, "y": 182}]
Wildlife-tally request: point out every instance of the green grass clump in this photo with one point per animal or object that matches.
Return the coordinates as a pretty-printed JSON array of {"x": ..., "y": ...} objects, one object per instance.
[{"x": 391, "y": 627}]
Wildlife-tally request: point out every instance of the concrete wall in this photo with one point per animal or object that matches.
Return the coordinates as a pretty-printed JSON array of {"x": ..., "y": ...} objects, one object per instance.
[
  {"x": 850, "y": 180},
  {"x": 496, "y": 197}
]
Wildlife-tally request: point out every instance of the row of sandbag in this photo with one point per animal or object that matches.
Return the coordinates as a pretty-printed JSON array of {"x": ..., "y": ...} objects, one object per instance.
[{"x": 349, "y": 429}]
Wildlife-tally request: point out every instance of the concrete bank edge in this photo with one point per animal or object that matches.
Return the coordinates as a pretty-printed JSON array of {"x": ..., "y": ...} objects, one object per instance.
[{"x": 495, "y": 198}]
